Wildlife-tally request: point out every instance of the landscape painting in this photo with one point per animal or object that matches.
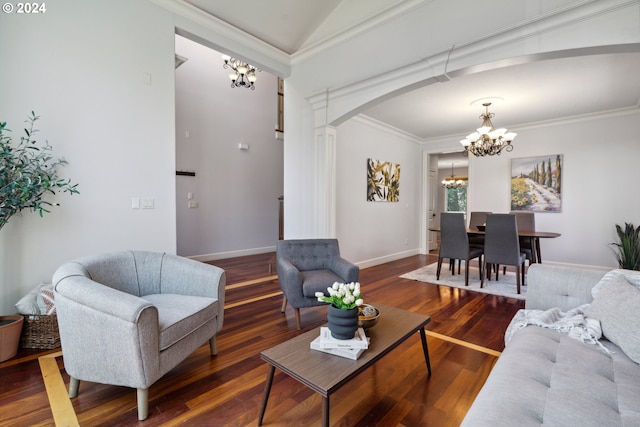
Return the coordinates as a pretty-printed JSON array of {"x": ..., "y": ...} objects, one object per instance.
[
  {"x": 536, "y": 183},
  {"x": 383, "y": 181}
]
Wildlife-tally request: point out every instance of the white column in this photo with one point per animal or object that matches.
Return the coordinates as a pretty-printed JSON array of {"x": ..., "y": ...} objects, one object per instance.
[{"x": 325, "y": 181}]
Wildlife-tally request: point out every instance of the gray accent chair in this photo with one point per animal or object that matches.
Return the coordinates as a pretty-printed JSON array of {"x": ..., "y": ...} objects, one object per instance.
[
  {"x": 127, "y": 318},
  {"x": 307, "y": 266},
  {"x": 502, "y": 246},
  {"x": 454, "y": 244},
  {"x": 477, "y": 218}
]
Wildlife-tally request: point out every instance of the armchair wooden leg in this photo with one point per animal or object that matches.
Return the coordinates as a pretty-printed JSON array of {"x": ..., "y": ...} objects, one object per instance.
[
  {"x": 74, "y": 384},
  {"x": 213, "y": 346},
  {"x": 284, "y": 304},
  {"x": 298, "y": 323},
  {"x": 143, "y": 403}
]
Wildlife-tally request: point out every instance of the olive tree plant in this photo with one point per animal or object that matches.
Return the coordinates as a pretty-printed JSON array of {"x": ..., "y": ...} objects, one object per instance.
[{"x": 28, "y": 173}]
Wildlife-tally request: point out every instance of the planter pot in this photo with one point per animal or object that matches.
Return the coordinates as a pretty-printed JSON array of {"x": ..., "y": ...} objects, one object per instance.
[
  {"x": 343, "y": 324},
  {"x": 10, "y": 336}
]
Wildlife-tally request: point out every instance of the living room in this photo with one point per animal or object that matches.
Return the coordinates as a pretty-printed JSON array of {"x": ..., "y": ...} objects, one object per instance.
[{"x": 102, "y": 77}]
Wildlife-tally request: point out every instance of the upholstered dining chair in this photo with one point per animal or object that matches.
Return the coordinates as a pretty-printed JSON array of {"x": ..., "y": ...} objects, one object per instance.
[
  {"x": 127, "y": 318},
  {"x": 502, "y": 246},
  {"x": 307, "y": 266},
  {"x": 527, "y": 222},
  {"x": 454, "y": 243},
  {"x": 477, "y": 218}
]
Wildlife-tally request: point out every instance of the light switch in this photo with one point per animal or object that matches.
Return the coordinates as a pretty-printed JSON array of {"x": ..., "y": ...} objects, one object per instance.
[
  {"x": 189, "y": 196},
  {"x": 193, "y": 205},
  {"x": 135, "y": 203},
  {"x": 147, "y": 203}
]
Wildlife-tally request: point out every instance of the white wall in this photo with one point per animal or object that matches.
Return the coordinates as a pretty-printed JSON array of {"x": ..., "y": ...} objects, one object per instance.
[
  {"x": 600, "y": 170},
  {"x": 236, "y": 190},
  {"x": 82, "y": 67},
  {"x": 374, "y": 232}
]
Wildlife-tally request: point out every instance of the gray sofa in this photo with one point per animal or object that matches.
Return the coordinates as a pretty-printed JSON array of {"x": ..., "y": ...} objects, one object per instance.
[
  {"x": 546, "y": 378},
  {"x": 127, "y": 318}
]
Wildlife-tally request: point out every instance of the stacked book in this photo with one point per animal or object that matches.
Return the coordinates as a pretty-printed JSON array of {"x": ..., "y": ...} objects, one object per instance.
[{"x": 351, "y": 349}]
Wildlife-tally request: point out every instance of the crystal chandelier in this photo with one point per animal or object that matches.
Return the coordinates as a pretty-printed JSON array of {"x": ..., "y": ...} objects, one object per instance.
[
  {"x": 488, "y": 141},
  {"x": 453, "y": 182},
  {"x": 242, "y": 74}
]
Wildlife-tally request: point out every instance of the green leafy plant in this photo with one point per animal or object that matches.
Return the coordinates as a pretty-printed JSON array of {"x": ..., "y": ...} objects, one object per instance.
[
  {"x": 628, "y": 246},
  {"x": 28, "y": 173},
  {"x": 344, "y": 296}
]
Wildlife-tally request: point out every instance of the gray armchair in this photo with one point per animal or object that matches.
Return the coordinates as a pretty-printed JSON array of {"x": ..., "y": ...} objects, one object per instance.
[
  {"x": 309, "y": 266},
  {"x": 127, "y": 318}
]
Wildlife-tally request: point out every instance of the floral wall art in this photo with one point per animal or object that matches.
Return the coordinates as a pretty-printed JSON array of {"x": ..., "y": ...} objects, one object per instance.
[
  {"x": 383, "y": 181},
  {"x": 536, "y": 183}
]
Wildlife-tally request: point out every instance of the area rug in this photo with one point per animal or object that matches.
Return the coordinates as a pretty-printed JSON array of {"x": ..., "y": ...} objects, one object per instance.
[{"x": 505, "y": 286}]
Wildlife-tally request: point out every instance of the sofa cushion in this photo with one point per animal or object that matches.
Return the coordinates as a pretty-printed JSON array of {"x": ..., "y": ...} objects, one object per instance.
[
  {"x": 616, "y": 306},
  {"x": 544, "y": 377},
  {"x": 180, "y": 315}
]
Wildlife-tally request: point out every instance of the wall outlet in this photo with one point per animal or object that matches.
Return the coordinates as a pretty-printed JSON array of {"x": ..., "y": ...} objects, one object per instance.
[{"x": 193, "y": 205}]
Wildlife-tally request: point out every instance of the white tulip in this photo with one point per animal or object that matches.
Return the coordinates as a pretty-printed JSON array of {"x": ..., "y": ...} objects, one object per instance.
[{"x": 359, "y": 302}]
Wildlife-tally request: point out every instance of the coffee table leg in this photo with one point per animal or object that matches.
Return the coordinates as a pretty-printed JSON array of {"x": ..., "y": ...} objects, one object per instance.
[
  {"x": 325, "y": 411},
  {"x": 425, "y": 349},
  {"x": 267, "y": 390}
]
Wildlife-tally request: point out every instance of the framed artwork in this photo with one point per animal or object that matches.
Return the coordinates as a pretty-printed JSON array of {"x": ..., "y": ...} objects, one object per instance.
[
  {"x": 536, "y": 183},
  {"x": 383, "y": 181}
]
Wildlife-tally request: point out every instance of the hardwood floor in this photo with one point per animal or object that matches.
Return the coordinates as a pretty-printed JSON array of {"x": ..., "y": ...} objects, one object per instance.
[{"x": 464, "y": 337}]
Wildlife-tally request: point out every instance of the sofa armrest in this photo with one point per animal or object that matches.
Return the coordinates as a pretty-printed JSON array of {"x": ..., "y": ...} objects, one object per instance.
[
  {"x": 345, "y": 269},
  {"x": 562, "y": 287}
]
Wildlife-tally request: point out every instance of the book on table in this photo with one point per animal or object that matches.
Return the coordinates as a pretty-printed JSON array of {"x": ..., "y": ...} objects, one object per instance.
[
  {"x": 349, "y": 353},
  {"x": 328, "y": 341}
]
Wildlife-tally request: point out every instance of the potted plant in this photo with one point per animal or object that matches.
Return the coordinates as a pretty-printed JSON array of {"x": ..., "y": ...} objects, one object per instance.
[
  {"x": 344, "y": 300},
  {"x": 28, "y": 174},
  {"x": 628, "y": 246}
]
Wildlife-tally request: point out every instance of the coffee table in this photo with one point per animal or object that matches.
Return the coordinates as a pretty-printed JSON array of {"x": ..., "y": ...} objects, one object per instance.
[{"x": 325, "y": 373}]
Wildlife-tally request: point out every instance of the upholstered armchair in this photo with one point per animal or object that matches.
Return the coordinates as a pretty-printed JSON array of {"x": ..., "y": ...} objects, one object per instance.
[
  {"x": 308, "y": 266},
  {"x": 127, "y": 318}
]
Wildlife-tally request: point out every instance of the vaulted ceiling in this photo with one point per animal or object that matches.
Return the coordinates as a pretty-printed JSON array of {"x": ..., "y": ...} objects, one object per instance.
[{"x": 533, "y": 92}]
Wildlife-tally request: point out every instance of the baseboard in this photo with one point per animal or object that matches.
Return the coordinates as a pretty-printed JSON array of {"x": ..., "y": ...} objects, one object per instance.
[
  {"x": 232, "y": 254},
  {"x": 387, "y": 258}
]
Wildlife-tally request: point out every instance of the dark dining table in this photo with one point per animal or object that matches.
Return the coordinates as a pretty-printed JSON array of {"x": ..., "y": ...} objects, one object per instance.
[{"x": 535, "y": 237}]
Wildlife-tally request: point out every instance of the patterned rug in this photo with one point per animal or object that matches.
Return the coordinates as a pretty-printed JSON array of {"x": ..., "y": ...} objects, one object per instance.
[{"x": 505, "y": 286}]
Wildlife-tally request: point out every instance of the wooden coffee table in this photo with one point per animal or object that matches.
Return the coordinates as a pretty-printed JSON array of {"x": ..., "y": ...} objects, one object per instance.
[{"x": 326, "y": 373}]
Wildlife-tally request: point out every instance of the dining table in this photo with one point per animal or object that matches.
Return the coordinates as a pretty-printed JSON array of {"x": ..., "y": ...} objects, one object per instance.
[{"x": 534, "y": 236}]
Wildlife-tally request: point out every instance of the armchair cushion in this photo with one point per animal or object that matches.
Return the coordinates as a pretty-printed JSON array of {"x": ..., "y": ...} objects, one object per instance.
[
  {"x": 180, "y": 315},
  {"x": 317, "y": 281}
]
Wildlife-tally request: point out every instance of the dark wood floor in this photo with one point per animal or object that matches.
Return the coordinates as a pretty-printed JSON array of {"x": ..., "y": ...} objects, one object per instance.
[{"x": 465, "y": 332}]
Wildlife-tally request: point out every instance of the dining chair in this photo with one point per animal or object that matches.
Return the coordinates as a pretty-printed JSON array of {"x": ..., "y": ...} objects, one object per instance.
[
  {"x": 527, "y": 222},
  {"x": 502, "y": 246},
  {"x": 454, "y": 243},
  {"x": 477, "y": 218}
]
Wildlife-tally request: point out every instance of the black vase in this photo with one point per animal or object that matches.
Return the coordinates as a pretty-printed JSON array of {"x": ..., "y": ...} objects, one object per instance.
[{"x": 343, "y": 324}]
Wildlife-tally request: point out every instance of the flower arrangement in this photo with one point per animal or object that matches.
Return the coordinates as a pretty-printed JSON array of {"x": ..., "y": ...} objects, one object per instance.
[{"x": 344, "y": 296}]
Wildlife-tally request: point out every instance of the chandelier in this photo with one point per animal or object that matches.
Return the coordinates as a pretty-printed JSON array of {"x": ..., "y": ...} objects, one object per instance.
[
  {"x": 488, "y": 141},
  {"x": 453, "y": 182},
  {"x": 242, "y": 74}
]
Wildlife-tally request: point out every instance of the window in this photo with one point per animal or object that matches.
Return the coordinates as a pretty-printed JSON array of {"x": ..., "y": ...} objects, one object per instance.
[{"x": 455, "y": 199}]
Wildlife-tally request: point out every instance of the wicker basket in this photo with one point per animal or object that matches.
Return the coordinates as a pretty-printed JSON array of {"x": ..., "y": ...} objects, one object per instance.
[{"x": 40, "y": 332}]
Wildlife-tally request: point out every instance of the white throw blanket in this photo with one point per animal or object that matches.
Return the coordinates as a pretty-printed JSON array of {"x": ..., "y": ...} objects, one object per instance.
[{"x": 573, "y": 323}]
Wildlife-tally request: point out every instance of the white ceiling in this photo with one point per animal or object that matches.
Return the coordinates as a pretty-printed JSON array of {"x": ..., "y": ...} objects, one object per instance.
[{"x": 527, "y": 93}]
